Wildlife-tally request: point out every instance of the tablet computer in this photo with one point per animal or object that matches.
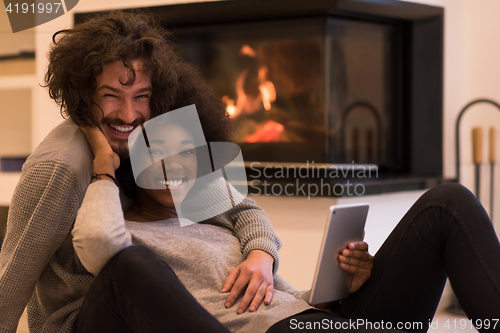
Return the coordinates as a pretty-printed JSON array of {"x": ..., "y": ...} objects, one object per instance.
[{"x": 345, "y": 224}]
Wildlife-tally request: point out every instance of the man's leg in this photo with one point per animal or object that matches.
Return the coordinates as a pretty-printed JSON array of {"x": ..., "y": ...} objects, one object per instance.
[
  {"x": 137, "y": 292},
  {"x": 446, "y": 233}
]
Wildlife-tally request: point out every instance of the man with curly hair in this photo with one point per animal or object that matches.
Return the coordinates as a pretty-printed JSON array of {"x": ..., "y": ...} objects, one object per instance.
[{"x": 115, "y": 72}]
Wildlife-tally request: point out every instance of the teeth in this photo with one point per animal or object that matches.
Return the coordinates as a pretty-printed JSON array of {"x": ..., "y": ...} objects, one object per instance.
[
  {"x": 123, "y": 129},
  {"x": 171, "y": 183}
]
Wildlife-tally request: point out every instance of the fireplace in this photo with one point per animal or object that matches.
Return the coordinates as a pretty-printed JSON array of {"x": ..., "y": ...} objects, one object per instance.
[
  {"x": 324, "y": 82},
  {"x": 309, "y": 89}
]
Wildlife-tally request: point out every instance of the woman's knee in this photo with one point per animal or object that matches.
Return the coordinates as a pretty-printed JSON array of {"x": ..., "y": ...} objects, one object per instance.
[
  {"x": 457, "y": 201},
  {"x": 454, "y": 191},
  {"x": 451, "y": 195}
]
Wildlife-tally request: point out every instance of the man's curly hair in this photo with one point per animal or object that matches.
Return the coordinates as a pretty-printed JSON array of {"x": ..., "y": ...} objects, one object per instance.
[{"x": 78, "y": 55}]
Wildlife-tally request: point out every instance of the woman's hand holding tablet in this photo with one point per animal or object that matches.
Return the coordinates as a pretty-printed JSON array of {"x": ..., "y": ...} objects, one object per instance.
[{"x": 344, "y": 263}]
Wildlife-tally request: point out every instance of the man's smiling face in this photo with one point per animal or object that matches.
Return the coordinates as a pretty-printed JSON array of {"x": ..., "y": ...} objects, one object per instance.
[{"x": 124, "y": 107}]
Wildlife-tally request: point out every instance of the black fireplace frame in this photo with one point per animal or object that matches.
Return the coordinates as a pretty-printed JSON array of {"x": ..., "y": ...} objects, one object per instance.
[{"x": 420, "y": 52}]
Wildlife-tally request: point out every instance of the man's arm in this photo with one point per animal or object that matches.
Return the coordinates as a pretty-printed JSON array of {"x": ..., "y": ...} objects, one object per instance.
[{"x": 41, "y": 215}]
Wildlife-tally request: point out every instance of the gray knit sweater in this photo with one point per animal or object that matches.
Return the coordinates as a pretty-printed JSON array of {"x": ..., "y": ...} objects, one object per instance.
[
  {"x": 38, "y": 263},
  {"x": 201, "y": 255}
]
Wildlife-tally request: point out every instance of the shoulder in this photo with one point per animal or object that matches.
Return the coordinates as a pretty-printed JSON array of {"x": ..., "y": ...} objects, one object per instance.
[{"x": 64, "y": 148}]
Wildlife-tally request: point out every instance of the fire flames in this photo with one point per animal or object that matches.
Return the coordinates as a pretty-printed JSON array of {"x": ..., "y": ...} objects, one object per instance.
[{"x": 247, "y": 104}]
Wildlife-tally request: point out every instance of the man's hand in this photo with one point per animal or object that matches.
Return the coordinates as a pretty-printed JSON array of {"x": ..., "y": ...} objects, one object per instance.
[
  {"x": 356, "y": 260},
  {"x": 256, "y": 272},
  {"x": 105, "y": 159}
]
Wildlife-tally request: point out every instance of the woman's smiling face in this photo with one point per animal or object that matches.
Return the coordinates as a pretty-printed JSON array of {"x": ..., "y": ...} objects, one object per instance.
[{"x": 176, "y": 173}]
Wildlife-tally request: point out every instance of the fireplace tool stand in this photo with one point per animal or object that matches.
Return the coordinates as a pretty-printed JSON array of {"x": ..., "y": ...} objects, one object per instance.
[
  {"x": 477, "y": 151},
  {"x": 369, "y": 135},
  {"x": 477, "y": 140}
]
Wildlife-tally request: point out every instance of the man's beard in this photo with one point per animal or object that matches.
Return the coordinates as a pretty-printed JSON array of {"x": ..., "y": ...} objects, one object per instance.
[
  {"x": 119, "y": 146},
  {"x": 121, "y": 150}
]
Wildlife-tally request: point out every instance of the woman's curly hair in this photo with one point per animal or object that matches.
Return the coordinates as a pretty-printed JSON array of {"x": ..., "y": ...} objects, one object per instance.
[{"x": 78, "y": 55}]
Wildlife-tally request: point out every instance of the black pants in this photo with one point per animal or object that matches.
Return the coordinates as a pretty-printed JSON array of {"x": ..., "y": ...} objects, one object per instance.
[{"x": 445, "y": 233}]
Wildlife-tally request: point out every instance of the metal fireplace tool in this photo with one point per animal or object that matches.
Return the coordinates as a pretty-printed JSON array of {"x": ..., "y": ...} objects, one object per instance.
[
  {"x": 477, "y": 151},
  {"x": 477, "y": 145}
]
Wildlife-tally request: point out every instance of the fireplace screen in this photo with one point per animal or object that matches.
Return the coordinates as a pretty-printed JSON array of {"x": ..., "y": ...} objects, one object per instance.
[{"x": 304, "y": 90}]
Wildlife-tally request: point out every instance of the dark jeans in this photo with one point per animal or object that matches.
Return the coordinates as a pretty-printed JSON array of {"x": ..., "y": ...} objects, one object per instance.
[
  {"x": 445, "y": 233},
  {"x": 137, "y": 292}
]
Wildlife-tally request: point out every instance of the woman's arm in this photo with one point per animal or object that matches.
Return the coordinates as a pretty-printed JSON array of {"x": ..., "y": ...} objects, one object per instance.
[
  {"x": 99, "y": 232},
  {"x": 254, "y": 230}
]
